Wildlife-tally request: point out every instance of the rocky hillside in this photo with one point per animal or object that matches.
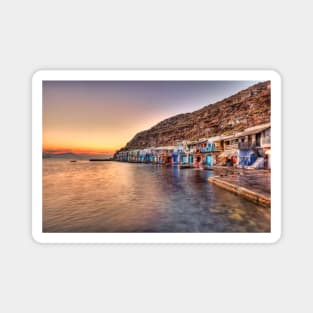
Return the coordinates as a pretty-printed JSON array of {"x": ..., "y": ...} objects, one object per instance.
[{"x": 247, "y": 108}]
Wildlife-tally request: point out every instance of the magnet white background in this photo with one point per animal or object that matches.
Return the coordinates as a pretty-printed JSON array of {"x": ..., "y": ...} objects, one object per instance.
[
  {"x": 165, "y": 34},
  {"x": 37, "y": 126}
]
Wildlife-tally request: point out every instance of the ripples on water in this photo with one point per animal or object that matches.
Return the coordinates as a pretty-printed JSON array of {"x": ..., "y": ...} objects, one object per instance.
[{"x": 121, "y": 197}]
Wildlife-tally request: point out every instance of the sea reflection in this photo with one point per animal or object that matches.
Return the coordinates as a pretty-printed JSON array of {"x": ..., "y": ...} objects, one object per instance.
[{"x": 121, "y": 197}]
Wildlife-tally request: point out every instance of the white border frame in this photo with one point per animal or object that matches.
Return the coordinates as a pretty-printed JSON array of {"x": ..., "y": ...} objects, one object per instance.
[{"x": 117, "y": 75}]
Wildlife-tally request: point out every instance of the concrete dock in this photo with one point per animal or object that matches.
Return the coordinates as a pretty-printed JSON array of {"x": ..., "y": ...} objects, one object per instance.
[{"x": 254, "y": 185}]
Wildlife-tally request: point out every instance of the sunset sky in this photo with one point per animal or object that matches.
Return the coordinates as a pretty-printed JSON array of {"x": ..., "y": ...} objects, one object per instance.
[{"x": 102, "y": 116}]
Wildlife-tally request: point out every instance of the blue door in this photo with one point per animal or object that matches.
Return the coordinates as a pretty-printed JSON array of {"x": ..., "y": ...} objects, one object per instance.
[{"x": 175, "y": 158}]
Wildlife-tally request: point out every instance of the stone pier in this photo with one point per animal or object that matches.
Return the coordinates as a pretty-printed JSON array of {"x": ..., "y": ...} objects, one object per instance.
[{"x": 254, "y": 185}]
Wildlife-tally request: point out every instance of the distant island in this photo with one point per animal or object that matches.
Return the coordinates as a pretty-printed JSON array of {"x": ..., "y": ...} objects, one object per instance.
[
  {"x": 76, "y": 156},
  {"x": 100, "y": 160}
]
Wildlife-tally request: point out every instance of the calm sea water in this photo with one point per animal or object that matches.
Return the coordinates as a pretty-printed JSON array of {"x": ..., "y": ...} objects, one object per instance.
[{"x": 121, "y": 197}]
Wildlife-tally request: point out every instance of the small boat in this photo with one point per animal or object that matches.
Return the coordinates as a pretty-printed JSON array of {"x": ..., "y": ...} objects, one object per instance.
[{"x": 73, "y": 161}]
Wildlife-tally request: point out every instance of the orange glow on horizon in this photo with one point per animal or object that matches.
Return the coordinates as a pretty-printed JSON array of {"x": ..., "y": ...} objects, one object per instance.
[
  {"x": 85, "y": 140},
  {"x": 80, "y": 150},
  {"x": 103, "y": 116}
]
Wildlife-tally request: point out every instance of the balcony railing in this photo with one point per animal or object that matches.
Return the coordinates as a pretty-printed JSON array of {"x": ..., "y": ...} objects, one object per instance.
[
  {"x": 231, "y": 147},
  {"x": 207, "y": 149}
]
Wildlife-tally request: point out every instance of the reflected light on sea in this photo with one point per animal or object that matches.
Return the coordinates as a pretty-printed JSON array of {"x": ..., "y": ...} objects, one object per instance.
[{"x": 88, "y": 196}]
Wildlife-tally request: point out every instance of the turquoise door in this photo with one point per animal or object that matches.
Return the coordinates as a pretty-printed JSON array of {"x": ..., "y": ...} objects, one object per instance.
[{"x": 209, "y": 160}]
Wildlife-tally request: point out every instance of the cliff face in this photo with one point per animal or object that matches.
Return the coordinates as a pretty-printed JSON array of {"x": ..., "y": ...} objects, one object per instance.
[{"x": 247, "y": 108}]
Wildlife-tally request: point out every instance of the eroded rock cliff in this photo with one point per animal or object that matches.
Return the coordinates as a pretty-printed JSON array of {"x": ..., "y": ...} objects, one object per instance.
[{"x": 247, "y": 108}]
